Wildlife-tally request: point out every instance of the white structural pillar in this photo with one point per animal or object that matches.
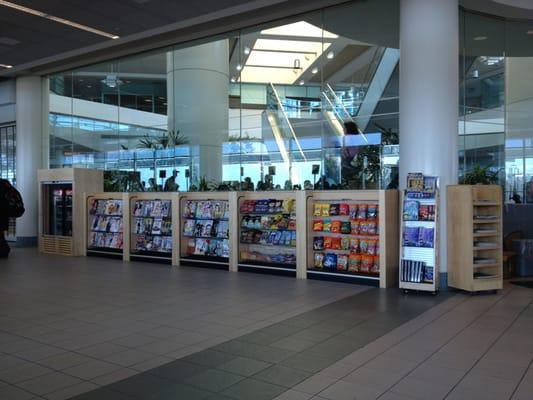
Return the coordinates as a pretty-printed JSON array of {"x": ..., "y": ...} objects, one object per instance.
[
  {"x": 198, "y": 92},
  {"x": 29, "y": 114},
  {"x": 429, "y": 95}
]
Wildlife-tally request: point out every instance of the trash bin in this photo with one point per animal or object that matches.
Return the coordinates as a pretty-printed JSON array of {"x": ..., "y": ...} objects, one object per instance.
[{"x": 524, "y": 256}]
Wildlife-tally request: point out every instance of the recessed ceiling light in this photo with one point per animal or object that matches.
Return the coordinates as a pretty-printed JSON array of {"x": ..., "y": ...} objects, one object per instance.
[
  {"x": 330, "y": 55},
  {"x": 233, "y": 79},
  {"x": 314, "y": 70},
  {"x": 246, "y": 50},
  {"x": 57, "y": 19},
  {"x": 480, "y": 38},
  {"x": 302, "y": 82},
  {"x": 239, "y": 67},
  {"x": 5, "y": 66}
]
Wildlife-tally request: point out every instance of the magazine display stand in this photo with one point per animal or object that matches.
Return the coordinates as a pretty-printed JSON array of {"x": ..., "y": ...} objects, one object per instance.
[
  {"x": 419, "y": 241},
  {"x": 106, "y": 219},
  {"x": 271, "y": 239},
  {"x": 61, "y": 204},
  {"x": 475, "y": 237},
  {"x": 352, "y": 236},
  {"x": 207, "y": 223},
  {"x": 152, "y": 227}
]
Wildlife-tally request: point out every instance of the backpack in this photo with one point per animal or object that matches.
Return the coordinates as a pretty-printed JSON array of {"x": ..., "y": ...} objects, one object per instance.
[{"x": 12, "y": 199}]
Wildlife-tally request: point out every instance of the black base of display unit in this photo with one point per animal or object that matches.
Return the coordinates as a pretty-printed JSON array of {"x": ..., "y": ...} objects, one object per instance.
[
  {"x": 152, "y": 257},
  {"x": 105, "y": 252},
  {"x": 205, "y": 262},
  {"x": 345, "y": 277},
  {"x": 268, "y": 268}
]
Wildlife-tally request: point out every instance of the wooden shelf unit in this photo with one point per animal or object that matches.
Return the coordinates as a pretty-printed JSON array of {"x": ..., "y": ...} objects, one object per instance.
[{"x": 465, "y": 203}]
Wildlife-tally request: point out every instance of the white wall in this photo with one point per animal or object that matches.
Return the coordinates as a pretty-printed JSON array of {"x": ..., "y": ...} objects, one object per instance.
[{"x": 7, "y": 101}]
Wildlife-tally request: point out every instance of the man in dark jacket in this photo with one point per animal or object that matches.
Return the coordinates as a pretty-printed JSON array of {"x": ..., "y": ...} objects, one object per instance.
[{"x": 4, "y": 221}]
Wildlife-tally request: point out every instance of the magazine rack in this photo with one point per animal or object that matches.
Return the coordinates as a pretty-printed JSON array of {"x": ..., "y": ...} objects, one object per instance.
[
  {"x": 419, "y": 234},
  {"x": 106, "y": 223}
]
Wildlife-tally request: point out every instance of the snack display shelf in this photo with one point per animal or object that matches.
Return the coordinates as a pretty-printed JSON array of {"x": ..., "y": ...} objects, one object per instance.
[
  {"x": 152, "y": 227},
  {"x": 347, "y": 235},
  {"x": 205, "y": 220},
  {"x": 105, "y": 225}
]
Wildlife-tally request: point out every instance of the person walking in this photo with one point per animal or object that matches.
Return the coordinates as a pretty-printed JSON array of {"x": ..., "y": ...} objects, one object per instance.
[{"x": 11, "y": 206}]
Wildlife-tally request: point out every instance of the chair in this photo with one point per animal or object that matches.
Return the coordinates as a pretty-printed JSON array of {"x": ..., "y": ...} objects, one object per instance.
[{"x": 508, "y": 254}]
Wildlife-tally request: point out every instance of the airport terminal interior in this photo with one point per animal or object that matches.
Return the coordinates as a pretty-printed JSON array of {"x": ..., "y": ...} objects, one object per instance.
[{"x": 267, "y": 199}]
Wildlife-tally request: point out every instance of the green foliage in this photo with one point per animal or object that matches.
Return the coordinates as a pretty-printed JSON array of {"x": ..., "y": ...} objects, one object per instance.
[
  {"x": 169, "y": 139},
  {"x": 479, "y": 175}
]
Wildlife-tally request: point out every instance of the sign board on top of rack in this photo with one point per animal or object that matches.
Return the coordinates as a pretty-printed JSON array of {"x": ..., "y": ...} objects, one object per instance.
[{"x": 420, "y": 186}]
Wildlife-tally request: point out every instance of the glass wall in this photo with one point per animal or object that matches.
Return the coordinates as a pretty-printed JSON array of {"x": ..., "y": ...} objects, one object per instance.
[
  {"x": 308, "y": 101},
  {"x": 8, "y": 145},
  {"x": 497, "y": 102}
]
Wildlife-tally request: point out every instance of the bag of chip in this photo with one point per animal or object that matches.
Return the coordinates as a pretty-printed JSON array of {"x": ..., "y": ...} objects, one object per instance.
[
  {"x": 371, "y": 227},
  {"x": 319, "y": 260},
  {"x": 353, "y": 211},
  {"x": 355, "y": 226},
  {"x": 318, "y": 225},
  {"x": 363, "y": 227},
  {"x": 363, "y": 246},
  {"x": 333, "y": 209},
  {"x": 325, "y": 210},
  {"x": 336, "y": 226},
  {"x": 346, "y": 227},
  {"x": 361, "y": 211},
  {"x": 336, "y": 243},
  {"x": 342, "y": 262},
  {"x": 345, "y": 243},
  {"x": 354, "y": 245},
  {"x": 327, "y": 225},
  {"x": 371, "y": 250},
  {"x": 372, "y": 211},
  {"x": 317, "y": 210},
  {"x": 354, "y": 262},
  {"x": 318, "y": 243},
  {"x": 330, "y": 261},
  {"x": 366, "y": 263},
  {"x": 375, "y": 265},
  {"x": 344, "y": 209},
  {"x": 327, "y": 242}
]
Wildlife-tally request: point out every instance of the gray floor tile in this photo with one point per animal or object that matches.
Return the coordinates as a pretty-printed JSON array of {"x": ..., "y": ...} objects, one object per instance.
[
  {"x": 8, "y": 361},
  {"x": 308, "y": 363},
  {"x": 143, "y": 386},
  {"x": 282, "y": 376},
  {"x": 91, "y": 369},
  {"x": 179, "y": 391},
  {"x": 293, "y": 395},
  {"x": 129, "y": 357},
  {"x": 419, "y": 389},
  {"x": 253, "y": 389},
  {"x": 102, "y": 350},
  {"x": 294, "y": 344},
  {"x": 103, "y": 394},
  {"x": 213, "y": 380},
  {"x": 23, "y": 372},
  {"x": 48, "y": 383},
  {"x": 135, "y": 340},
  {"x": 244, "y": 366},
  {"x": 14, "y": 393},
  {"x": 71, "y": 391},
  {"x": 315, "y": 384},
  {"x": 64, "y": 360},
  {"x": 114, "y": 376},
  {"x": 178, "y": 370}
]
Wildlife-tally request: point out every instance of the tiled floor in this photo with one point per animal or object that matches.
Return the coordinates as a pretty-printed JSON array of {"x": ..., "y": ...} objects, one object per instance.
[{"x": 140, "y": 331}]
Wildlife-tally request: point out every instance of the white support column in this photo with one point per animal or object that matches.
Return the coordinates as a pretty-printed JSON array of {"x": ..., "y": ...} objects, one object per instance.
[
  {"x": 429, "y": 95},
  {"x": 198, "y": 92},
  {"x": 29, "y": 112}
]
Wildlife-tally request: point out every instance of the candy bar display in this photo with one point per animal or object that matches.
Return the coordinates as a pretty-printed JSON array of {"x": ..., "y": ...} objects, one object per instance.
[
  {"x": 152, "y": 228},
  {"x": 105, "y": 225},
  {"x": 205, "y": 226},
  {"x": 268, "y": 231},
  {"x": 345, "y": 238}
]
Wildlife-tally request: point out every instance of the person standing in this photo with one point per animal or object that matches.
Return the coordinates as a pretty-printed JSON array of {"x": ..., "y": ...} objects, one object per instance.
[{"x": 11, "y": 206}]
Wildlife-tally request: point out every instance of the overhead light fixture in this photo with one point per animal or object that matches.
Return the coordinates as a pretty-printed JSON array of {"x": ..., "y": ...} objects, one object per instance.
[
  {"x": 475, "y": 74},
  {"x": 247, "y": 50},
  {"x": 111, "y": 81},
  {"x": 57, "y": 19},
  {"x": 5, "y": 66},
  {"x": 238, "y": 67},
  {"x": 302, "y": 82},
  {"x": 530, "y": 32},
  {"x": 314, "y": 70},
  {"x": 330, "y": 55},
  {"x": 233, "y": 79},
  {"x": 480, "y": 38}
]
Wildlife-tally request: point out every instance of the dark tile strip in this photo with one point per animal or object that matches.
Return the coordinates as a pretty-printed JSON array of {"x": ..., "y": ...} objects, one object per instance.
[{"x": 267, "y": 362}]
